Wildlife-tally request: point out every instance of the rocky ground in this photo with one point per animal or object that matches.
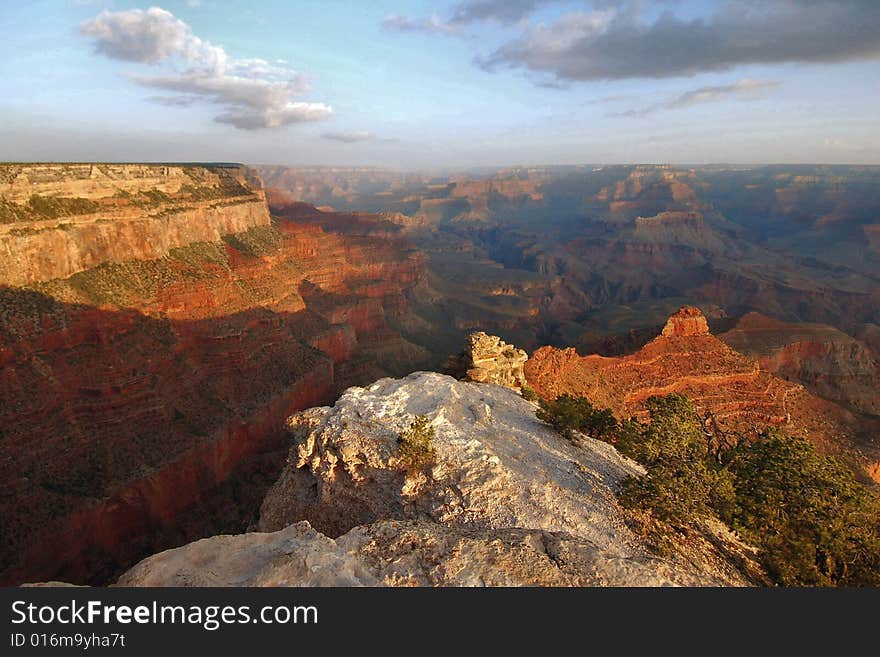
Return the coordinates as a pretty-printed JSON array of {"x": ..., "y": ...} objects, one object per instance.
[{"x": 507, "y": 502}]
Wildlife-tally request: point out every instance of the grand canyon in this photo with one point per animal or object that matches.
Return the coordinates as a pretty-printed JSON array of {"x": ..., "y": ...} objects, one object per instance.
[
  {"x": 161, "y": 323},
  {"x": 463, "y": 293}
]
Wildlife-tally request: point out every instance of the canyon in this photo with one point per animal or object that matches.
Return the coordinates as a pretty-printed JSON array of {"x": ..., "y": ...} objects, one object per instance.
[
  {"x": 151, "y": 351},
  {"x": 736, "y": 395},
  {"x": 159, "y": 324},
  {"x": 598, "y": 257}
]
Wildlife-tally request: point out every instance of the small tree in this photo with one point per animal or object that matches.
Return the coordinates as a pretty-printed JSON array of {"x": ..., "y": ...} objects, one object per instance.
[
  {"x": 568, "y": 414},
  {"x": 528, "y": 393},
  {"x": 682, "y": 482},
  {"x": 415, "y": 447},
  {"x": 815, "y": 524}
]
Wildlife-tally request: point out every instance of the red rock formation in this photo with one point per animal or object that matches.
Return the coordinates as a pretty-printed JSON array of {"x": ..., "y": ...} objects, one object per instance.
[
  {"x": 686, "y": 359},
  {"x": 140, "y": 395},
  {"x": 688, "y": 321},
  {"x": 827, "y": 361}
]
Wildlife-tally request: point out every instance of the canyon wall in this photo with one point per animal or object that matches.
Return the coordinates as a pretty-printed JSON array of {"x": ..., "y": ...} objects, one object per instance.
[
  {"x": 59, "y": 220},
  {"x": 827, "y": 361},
  {"x": 154, "y": 336},
  {"x": 741, "y": 396}
]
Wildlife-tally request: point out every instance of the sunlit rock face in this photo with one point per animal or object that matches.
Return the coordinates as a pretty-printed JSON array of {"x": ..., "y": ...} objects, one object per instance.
[
  {"x": 827, "y": 361},
  {"x": 687, "y": 359},
  {"x": 156, "y": 328}
]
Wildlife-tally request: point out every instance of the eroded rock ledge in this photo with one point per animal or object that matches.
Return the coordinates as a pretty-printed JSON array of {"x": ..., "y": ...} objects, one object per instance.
[
  {"x": 497, "y": 465},
  {"x": 411, "y": 553},
  {"x": 507, "y": 502},
  {"x": 489, "y": 359}
]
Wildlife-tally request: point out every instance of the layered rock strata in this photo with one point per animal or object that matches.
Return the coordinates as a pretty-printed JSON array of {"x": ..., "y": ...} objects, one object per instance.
[
  {"x": 686, "y": 359},
  {"x": 144, "y": 396}
]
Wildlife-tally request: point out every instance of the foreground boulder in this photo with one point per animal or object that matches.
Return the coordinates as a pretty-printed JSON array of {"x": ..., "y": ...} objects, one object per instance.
[
  {"x": 497, "y": 466},
  {"x": 395, "y": 553},
  {"x": 506, "y": 501}
]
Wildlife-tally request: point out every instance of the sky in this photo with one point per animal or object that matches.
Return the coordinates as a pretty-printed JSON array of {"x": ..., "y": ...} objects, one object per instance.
[{"x": 415, "y": 84}]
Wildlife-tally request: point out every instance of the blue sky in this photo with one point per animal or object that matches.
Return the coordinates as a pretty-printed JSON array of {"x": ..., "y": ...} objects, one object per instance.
[{"x": 417, "y": 84}]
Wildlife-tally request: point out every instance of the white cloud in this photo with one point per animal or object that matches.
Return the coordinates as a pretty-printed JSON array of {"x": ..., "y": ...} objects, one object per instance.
[
  {"x": 149, "y": 36},
  {"x": 253, "y": 93},
  {"x": 745, "y": 88},
  {"x": 431, "y": 25},
  {"x": 348, "y": 137}
]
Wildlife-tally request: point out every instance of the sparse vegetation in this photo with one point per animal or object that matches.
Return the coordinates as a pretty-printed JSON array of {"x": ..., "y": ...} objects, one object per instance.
[
  {"x": 415, "y": 447},
  {"x": 568, "y": 414},
  {"x": 229, "y": 186},
  {"x": 813, "y": 523},
  {"x": 528, "y": 393},
  {"x": 256, "y": 241},
  {"x": 52, "y": 207},
  {"x": 124, "y": 283},
  {"x": 11, "y": 212},
  {"x": 155, "y": 196},
  {"x": 45, "y": 207}
]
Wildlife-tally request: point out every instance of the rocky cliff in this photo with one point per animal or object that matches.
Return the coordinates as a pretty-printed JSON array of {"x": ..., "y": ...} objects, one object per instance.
[
  {"x": 827, "y": 361},
  {"x": 154, "y": 336},
  {"x": 59, "y": 220},
  {"x": 507, "y": 502},
  {"x": 687, "y": 359},
  {"x": 489, "y": 359}
]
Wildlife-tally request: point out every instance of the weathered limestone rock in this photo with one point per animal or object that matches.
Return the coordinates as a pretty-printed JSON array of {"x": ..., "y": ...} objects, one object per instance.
[
  {"x": 295, "y": 556},
  {"x": 489, "y": 359},
  {"x": 395, "y": 553},
  {"x": 508, "y": 501},
  {"x": 687, "y": 321},
  {"x": 497, "y": 465}
]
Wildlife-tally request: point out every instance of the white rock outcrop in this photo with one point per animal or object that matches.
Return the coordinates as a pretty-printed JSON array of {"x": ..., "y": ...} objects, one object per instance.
[
  {"x": 497, "y": 465},
  {"x": 508, "y": 502},
  {"x": 404, "y": 553},
  {"x": 489, "y": 359}
]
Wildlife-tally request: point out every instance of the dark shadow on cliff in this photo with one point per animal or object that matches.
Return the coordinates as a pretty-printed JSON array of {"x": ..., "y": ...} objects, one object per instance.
[{"x": 123, "y": 434}]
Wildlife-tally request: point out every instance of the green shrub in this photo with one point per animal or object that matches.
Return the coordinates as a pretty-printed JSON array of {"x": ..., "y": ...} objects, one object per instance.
[
  {"x": 568, "y": 414},
  {"x": 683, "y": 482},
  {"x": 815, "y": 524},
  {"x": 528, "y": 393},
  {"x": 415, "y": 447}
]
